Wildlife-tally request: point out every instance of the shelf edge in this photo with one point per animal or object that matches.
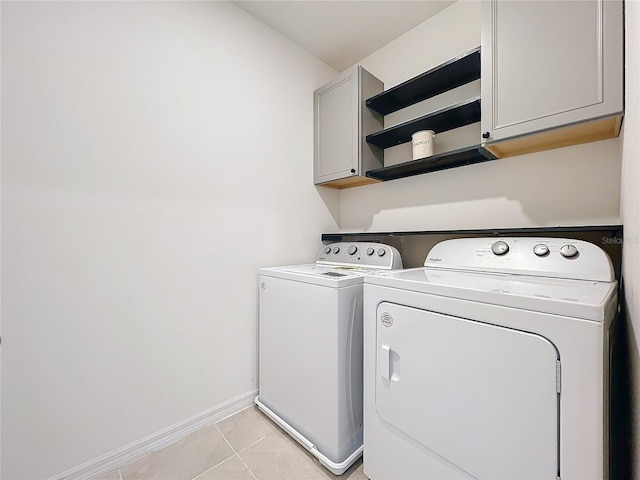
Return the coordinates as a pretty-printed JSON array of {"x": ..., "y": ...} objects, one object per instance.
[{"x": 406, "y": 84}]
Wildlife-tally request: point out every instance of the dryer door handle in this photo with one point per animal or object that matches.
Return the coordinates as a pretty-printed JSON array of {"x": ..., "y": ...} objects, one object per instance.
[{"x": 384, "y": 361}]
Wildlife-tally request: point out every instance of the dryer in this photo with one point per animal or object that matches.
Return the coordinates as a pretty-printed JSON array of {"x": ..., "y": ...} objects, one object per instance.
[
  {"x": 491, "y": 362},
  {"x": 310, "y": 342}
]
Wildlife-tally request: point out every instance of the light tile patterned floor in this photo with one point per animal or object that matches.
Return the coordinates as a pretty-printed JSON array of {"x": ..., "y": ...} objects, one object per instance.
[{"x": 246, "y": 446}]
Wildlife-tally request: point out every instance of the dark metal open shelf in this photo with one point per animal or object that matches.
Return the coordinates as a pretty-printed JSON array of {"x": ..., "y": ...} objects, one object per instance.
[
  {"x": 455, "y": 158},
  {"x": 448, "y": 118},
  {"x": 457, "y": 71}
]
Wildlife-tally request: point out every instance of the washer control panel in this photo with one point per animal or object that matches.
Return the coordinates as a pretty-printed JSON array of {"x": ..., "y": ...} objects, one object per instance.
[
  {"x": 545, "y": 257},
  {"x": 360, "y": 254}
]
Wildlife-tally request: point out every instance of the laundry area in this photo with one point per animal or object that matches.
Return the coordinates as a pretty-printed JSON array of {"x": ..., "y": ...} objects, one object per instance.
[{"x": 291, "y": 240}]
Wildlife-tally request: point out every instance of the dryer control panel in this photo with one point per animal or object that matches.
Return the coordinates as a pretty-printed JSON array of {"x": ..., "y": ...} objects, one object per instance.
[
  {"x": 543, "y": 257},
  {"x": 360, "y": 254}
]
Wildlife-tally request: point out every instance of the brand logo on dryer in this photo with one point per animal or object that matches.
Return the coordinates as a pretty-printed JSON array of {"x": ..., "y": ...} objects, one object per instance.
[
  {"x": 435, "y": 259},
  {"x": 386, "y": 319}
]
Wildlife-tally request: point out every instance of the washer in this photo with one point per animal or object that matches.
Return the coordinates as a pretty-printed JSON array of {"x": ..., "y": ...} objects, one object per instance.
[
  {"x": 490, "y": 363},
  {"x": 310, "y": 360}
]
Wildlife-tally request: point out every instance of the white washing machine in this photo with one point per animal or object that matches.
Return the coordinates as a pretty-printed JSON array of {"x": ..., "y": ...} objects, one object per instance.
[
  {"x": 490, "y": 363},
  {"x": 310, "y": 359}
]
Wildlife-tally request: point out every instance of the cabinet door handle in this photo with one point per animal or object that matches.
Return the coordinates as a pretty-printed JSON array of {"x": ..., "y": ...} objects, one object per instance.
[
  {"x": 353, "y": 170},
  {"x": 486, "y": 135}
]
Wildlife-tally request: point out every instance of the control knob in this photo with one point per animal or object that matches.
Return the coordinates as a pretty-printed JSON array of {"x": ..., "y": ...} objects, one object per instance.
[
  {"x": 336, "y": 249},
  {"x": 541, "y": 250},
  {"x": 327, "y": 250},
  {"x": 500, "y": 247},
  {"x": 381, "y": 252},
  {"x": 568, "y": 251},
  {"x": 370, "y": 251},
  {"x": 352, "y": 249}
]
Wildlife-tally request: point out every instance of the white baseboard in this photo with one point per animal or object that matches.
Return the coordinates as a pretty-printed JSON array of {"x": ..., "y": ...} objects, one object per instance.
[{"x": 133, "y": 451}]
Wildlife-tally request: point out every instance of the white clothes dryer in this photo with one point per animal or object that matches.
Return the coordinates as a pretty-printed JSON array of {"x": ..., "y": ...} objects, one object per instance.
[
  {"x": 310, "y": 359},
  {"x": 490, "y": 363}
]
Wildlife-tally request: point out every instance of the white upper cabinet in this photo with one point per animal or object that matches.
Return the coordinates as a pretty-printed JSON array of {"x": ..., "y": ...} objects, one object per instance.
[
  {"x": 552, "y": 73},
  {"x": 341, "y": 124}
]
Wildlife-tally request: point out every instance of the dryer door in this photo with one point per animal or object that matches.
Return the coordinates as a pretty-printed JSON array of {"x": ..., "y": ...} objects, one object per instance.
[{"x": 482, "y": 397}]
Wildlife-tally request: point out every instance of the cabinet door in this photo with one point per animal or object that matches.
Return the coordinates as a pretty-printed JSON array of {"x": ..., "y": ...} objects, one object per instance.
[
  {"x": 336, "y": 136},
  {"x": 549, "y": 64}
]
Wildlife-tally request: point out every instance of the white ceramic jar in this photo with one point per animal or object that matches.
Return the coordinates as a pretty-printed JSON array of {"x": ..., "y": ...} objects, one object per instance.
[{"x": 422, "y": 143}]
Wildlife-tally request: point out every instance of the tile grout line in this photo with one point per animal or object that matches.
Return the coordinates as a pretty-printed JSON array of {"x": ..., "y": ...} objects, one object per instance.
[
  {"x": 251, "y": 445},
  {"x": 236, "y": 453},
  {"x": 215, "y": 466},
  {"x": 225, "y": 439},
  {"x": 248, "y": 469}
]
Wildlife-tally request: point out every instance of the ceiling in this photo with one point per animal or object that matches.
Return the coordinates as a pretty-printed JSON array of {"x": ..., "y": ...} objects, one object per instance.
[{"x": 342, "y": 32}]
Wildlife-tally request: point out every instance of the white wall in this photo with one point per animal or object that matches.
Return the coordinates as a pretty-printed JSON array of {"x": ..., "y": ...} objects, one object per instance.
[
  {"x": 630, "y": 211},
  {"x": 154, "y": 156},
  {"x": 577, "y": 185}
]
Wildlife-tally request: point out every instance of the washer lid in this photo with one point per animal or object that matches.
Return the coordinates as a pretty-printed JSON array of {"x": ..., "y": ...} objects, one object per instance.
[
  {"x": 590, "y": 300},
  {"x": 317, "y": 274}
]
